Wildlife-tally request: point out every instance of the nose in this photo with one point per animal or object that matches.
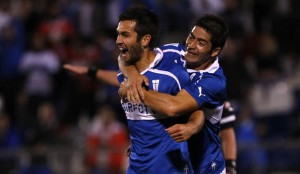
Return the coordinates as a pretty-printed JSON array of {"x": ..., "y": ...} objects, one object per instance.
[
  {"x": 192, "y": 43},
  {"x": 119, "y": 40}
]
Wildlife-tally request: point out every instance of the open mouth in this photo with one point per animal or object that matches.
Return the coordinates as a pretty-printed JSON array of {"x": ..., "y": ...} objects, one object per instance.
[{"x": 123, "y": 50}]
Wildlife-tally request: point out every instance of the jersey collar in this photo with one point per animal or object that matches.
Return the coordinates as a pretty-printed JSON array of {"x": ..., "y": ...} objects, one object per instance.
[{"x": 157, "y": 59}]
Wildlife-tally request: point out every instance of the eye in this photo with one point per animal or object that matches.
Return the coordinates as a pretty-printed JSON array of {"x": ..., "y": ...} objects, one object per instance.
[
  {"x": 202, "y": 43},
  {"x": 123, "y": 34}
]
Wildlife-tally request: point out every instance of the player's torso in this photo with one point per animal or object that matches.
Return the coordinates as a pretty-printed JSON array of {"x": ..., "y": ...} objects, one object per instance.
[
  {"x": 152, "y": 147},
  {"x": 205, "y": 146}
]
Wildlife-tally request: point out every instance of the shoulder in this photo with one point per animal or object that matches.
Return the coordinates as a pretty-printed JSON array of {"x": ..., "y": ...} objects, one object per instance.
[
  {"x": 174, "y": 52},
  {"x": 208, "y": 81},
  {"x": 207, "y": 88},
  {"x": 173, "y": 47},
  {"x": 214, "y": 80},
  {"x": 172, "y": 69}
]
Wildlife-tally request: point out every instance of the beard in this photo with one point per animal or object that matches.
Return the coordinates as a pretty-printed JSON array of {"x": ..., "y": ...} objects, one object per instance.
[
  {"x": 135, "y": 53},
  {"x": 195, "y": 61}
]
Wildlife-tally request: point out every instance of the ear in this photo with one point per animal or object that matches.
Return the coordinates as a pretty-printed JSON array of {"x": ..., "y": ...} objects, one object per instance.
[
  {"x": 216, "y": 52},
  {"x": 146, "y": 40}
]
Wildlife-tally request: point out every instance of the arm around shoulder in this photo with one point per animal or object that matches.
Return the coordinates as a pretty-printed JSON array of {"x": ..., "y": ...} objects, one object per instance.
[{"x": 170, "y": 105}]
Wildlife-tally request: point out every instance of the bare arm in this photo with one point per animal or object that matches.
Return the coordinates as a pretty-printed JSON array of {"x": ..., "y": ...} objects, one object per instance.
[
  {"x": 229, "y": 147},
  {"x": 182, "y": 132},
  {"x": 229, "y": 143},
  {"x": 107, "y": 76},
  {"x": 170, "y": 105},
  {"x": 227, "y": 135}
]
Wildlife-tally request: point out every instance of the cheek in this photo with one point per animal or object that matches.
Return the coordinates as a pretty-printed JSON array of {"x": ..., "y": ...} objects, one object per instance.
[
  {"x": 191, "y": 58},
  {"x": 204, "y": 58},
  {"x": 136, "y": 49}
]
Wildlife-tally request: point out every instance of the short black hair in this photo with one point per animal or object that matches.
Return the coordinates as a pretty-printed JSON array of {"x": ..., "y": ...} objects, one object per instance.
[
  {"x": 216, "y": 26},
  {"x": 147, "y": 22}
]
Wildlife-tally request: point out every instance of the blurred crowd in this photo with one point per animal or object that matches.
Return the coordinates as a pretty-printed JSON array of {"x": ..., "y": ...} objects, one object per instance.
[{"x": 43, "y": 105}]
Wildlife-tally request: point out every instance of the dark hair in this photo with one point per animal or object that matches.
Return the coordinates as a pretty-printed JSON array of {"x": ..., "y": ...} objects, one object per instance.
[
  {"x": 147, "y": 22},
  {"x": 216, "y": 26}
]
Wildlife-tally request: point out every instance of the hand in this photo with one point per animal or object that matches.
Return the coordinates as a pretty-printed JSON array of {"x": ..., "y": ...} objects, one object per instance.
[
  {"x": 135, "y": 86},
  {"x": 230, "y": 170},
  {"x": 230, "y": 166},
  {"x": 79, "y": 70},
  {"x": 123, "y": 90},
  {"x": 180, "y": 132}
]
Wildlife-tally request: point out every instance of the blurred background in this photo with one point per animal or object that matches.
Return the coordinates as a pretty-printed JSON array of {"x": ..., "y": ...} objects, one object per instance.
[{"x": 53, "y": 122}]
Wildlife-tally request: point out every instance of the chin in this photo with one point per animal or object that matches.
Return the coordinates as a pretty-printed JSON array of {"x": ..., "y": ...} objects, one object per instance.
[
  {"x": 189, "y": 65},
  {"x": 125, "y": 58}
]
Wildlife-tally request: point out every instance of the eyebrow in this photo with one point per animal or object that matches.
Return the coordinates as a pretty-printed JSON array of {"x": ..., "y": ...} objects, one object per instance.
[
  {"x": 198, "y": 39},
  {"x": 122, "y": 32}
]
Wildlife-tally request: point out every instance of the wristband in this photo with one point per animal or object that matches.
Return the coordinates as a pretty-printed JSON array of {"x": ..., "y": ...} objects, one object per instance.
[
  {"x": 92, "y": 71},
  {"x": 231, "y": 166}
]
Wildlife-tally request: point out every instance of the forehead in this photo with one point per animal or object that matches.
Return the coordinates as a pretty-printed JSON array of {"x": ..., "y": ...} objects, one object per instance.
[
  {"x": 200, "y": 33},
  {"x": 127, "y": 25}
]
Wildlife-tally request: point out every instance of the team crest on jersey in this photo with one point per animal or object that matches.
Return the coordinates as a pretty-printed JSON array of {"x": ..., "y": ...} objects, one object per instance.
[{"x": 155, "y": 84}]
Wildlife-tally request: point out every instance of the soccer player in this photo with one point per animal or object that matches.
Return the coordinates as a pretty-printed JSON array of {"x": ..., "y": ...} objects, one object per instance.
[
  {"x": 203, "y": 45},
  {"x": 207, "y": 91},
  {"x": 227, "y": 135},
  {"x": 152, "y": 148}
]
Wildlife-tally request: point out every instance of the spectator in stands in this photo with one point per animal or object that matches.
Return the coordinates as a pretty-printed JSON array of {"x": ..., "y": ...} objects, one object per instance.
[{"x": 107, "y": 141}]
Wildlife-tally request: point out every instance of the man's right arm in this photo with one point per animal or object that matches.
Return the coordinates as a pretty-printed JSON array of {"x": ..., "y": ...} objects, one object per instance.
[
  {"x": 107, "y": 76},
  {"x": 134, "y": 83}
]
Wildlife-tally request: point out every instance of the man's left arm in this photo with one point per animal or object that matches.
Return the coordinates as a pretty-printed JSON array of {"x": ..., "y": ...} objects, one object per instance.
[{"x": 182, "y": 132}]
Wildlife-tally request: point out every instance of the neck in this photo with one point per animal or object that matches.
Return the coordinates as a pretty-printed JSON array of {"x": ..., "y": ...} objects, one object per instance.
[{"x": 146, "y": 59}]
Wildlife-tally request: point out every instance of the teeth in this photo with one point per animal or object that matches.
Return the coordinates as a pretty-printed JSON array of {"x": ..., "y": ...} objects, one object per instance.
[{"x": 123, "y": 50}]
